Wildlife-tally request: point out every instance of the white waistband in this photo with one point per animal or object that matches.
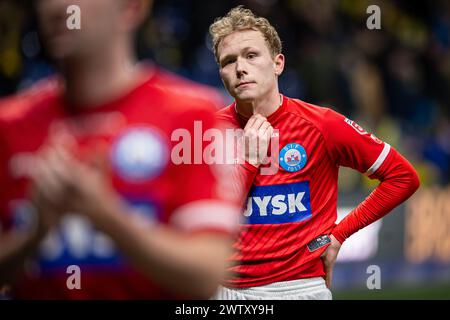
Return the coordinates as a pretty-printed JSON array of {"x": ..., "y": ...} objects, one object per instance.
[{"x": 293, "y": 285}]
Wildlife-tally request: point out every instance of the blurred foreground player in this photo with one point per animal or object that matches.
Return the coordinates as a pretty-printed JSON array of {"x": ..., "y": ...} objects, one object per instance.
[
  {"x": 289, "y": 244},
  {"x": 87, "y": 173}
]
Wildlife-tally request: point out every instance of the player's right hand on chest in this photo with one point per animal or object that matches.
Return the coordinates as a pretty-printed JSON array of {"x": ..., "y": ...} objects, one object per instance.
[{"x": 257, "y": 134}]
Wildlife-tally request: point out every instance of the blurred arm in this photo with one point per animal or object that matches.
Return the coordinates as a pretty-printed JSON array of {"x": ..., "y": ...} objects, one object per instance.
[
  {"x": 15, "y": 247},
  {"x": 189, "y": 264}
]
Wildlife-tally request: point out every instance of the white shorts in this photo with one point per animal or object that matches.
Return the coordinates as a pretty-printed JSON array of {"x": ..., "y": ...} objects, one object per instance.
[{"x": 302, "y": 289}]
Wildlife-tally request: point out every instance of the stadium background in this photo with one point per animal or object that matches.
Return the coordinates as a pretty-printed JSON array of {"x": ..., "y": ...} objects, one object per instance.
[{"x": 394, "y": 82}]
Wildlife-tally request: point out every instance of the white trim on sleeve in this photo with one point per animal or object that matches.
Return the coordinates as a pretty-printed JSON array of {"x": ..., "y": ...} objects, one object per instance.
[
  {"x": 377, "y": 164},
  {"x": 206, "y": 214}
]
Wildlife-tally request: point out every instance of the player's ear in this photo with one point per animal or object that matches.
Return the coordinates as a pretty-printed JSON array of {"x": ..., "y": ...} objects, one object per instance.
[
  {"x": 279, "y": 64},
  {"x": 135, "y": 12}
]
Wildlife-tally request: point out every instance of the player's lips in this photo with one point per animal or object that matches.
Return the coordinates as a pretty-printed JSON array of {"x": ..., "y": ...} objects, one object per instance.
[{"x": 244, "y": 83}]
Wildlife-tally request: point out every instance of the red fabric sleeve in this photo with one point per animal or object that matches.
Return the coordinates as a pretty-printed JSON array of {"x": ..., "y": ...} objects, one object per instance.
[
  {"x": 399, "y": 181},
  {"x": 349, "y": 144},
  {"x": 242, "y": 179}
]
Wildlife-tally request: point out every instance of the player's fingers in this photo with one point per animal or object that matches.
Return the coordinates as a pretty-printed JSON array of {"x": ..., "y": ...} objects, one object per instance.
[
  {"x": 263, "y": 133},
  {"x": 72, "y": 169},
  {"x": 65, "y": 173},
  {"x": 63, "y": 139},
  {"x": 258, "y": 130},
  {"x": 329, "y": 277},
  {"x": 266, "y": 131},
  {"x": 66, "y": 158},
  {"x": 254, "y": 119},
  {"x": 46, "y": 182},
  {"x": 39, "y": 176},
  {"x": 59, "y": 166},
  {"x": 264, "y": 126},
  {"x": 259, "y": 122},
  {"x": 44, "y": 185},
  {"x": 250, "y": 122},
  {"x": 328, "y": 266},
  {"x": 61, "y": 150}
]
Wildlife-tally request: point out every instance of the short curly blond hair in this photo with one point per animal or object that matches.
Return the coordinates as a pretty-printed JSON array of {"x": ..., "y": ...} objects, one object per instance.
[{"x": 238, "y": 19}]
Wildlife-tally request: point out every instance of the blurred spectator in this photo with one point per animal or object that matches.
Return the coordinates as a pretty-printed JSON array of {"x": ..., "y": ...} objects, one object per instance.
[{"x": 396, "y": 78}]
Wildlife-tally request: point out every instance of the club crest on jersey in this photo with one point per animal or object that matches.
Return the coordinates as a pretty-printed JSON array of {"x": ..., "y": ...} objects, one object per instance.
[
  {"x": 293, "y": 157},
  {"x": 139, "y": 154}
]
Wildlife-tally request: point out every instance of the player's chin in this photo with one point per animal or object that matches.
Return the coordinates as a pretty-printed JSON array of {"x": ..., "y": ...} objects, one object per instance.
[{"x": 245, "y": 95}]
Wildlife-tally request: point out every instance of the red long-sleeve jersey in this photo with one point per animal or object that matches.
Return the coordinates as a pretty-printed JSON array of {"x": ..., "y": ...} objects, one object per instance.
[
  {"x": 132, "y": 138},
  {"x": 289, "y": 209}
]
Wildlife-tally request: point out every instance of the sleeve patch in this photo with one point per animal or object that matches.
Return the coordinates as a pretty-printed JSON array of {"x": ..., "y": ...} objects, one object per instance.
[
  {"x": 361, "y": 131},
  {"x": 355, "y": 126}
]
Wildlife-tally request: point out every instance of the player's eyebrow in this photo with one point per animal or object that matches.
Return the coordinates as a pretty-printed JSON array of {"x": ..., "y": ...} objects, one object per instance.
[{"x": 246, "y": 49}]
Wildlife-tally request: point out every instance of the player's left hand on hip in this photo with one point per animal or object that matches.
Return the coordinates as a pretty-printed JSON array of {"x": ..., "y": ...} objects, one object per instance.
[{"x": 329, "y": 257}]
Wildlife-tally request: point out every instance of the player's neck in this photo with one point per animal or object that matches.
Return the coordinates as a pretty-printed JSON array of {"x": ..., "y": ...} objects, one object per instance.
[
  {"x": 265, "y": 106},
  {"x": 95, "y": 80}
]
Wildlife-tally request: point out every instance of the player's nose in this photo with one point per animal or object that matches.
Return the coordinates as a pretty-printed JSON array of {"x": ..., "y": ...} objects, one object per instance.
[{"x": 241, "y": 68}]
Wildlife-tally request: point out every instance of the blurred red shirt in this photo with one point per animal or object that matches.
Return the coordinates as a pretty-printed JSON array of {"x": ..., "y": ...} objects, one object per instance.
[{"x": 130, "y": 140}]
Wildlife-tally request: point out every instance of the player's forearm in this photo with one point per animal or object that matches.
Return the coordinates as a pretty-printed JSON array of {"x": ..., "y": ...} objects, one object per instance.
[
  {"x": 399, "y": 181},
  {"x": 188, "y": 266},
  {"x": 242, "y": 179},
  {"x": 15, "y": 248}
]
